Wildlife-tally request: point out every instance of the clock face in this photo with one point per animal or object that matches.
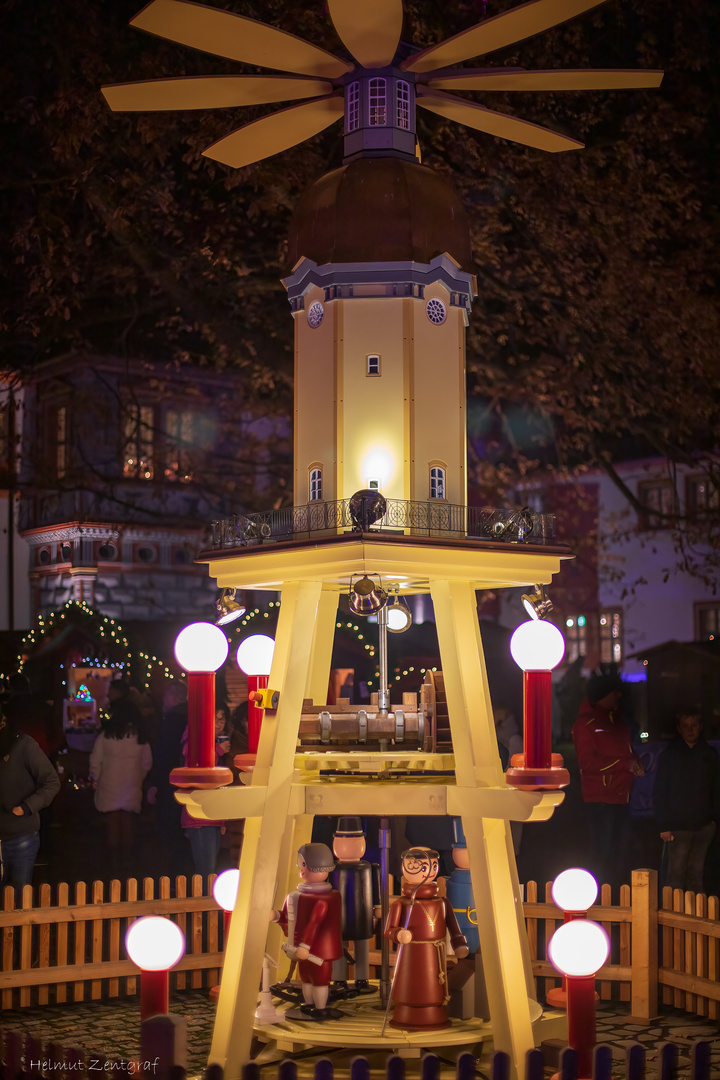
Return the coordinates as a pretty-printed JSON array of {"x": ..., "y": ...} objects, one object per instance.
[
  {"x": 316, "y": 314},
  {"x": 435, "y": 311}
]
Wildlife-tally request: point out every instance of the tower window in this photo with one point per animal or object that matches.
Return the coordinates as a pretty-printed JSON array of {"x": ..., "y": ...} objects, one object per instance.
[
  {"x": 373, "y": 364},
  {"x": 315, "y": 485},
  {"x": 437, "y": 482},
  {"x": 353, "y": 106},
  {"x": 402, "y": 101},
  {"x": 377, "y": 102}
]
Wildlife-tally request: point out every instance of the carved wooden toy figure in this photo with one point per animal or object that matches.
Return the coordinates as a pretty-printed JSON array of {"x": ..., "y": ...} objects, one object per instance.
[
  {"x": 417, "y": 922},
  {"x": 353, "y": 880},
  {"x": 467, "y": 980},
  {"x": 311, "y": 919}
]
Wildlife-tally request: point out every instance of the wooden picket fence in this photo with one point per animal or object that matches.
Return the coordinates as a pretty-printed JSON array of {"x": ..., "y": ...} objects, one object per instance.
[
  {"x": 668, "y": 954},
  {"x": 25, "y": 1058},
  {"x": 73, "y": 951},
  {"x": 76, "y": 948}
]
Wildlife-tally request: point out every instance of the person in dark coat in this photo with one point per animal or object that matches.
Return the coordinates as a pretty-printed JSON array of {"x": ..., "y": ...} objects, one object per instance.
[
  {"x": 686, "y": 799},
  {"x": 28, "y": 782}
]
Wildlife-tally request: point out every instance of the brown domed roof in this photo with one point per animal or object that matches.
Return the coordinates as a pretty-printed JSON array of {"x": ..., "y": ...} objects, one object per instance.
[{"x": 379, "y": 210}]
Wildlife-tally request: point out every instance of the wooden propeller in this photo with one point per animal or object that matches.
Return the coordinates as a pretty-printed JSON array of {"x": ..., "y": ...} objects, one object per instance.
[
  {"x": 587, "y": 79},
  {"x": 237, "y": 38},
  {"x": 369, "y": 29},
  {"x": 278, "y": 131},
  {"x": 495, "y": 123},
  {"x": 213, "y": 92},
  {"x": 495, "y": 33}
]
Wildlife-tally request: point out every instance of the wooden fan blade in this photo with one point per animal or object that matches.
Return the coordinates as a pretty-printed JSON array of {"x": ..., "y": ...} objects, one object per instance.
[
  {"x": 214, "y": 92},
  {"x": 495, "y": 123},
  {"x": 547, "y": 80},
  {"x": 369, "y": 29},
  {"x": 495, "y": 33},
  {"x": 237, "y": 38},
  {"x": 278, "y": 131}
]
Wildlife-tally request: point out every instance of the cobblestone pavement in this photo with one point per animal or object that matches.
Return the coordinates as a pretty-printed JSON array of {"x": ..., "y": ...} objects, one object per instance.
[{"x": 112, "y": 1029}]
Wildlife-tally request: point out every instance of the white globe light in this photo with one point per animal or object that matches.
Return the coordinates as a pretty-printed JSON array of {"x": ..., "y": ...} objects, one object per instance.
[
  {"x": 398, "y": 618},
  {"x": 201, "y": 646},
  {"x": 225, "y": 889},
  {"x": 154, "y": 943},
  {"x": 580, "y": 947},
  {"x": 254, "y": 655},
  {"x": 574, "y": 890},
  {"x": 537, "y": 646}
]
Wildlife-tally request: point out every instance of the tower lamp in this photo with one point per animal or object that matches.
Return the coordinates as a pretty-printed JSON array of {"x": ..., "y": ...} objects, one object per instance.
[
  {"x": 200, "y": 649},
  {"x": 537, "y": 647},
  {"x": 154, "y": 944},
  {"x": 573, "y": 891},
  {"x": 254, "y": 657},
  {"x": 578, "y": 950}
]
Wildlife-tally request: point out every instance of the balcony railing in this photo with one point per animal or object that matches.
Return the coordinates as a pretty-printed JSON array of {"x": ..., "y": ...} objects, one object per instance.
[{"x": 434, "y": 518}]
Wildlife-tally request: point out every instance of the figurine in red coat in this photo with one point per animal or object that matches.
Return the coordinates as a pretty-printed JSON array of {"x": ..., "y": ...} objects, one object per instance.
[
  {"x": 418, "y": 921},
  {"x": 312, "y": 921}
]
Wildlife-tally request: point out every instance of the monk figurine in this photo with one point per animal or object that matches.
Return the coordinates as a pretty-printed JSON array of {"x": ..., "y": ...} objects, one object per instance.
[{"x": 417, "y": 922}]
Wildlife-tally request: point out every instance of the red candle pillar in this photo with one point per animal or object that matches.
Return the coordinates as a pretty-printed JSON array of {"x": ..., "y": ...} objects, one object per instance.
[
  {"x": 201, "y": 648},
  {"x": 537, "y": 647}
]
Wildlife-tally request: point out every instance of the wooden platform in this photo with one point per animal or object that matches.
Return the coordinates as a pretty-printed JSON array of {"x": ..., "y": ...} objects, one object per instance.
[{"x": 361, "y": 1027}]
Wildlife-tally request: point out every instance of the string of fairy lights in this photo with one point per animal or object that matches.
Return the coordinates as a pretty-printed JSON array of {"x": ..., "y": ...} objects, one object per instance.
[{"x": 140, "y": 664}]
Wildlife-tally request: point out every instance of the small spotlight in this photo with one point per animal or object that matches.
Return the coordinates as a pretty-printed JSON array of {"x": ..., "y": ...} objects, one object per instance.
[
  {"x": 537, "y": 605},
  {"x": 228, "y": 608},
  {"x": 399, "y": 618},
  {"x": 366, "y": 598}
]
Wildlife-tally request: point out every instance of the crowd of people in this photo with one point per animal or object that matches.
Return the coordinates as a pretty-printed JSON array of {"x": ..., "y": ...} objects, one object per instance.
[
  {"x": 139, "y": 745},
  {"x": 128, "y": 770}
]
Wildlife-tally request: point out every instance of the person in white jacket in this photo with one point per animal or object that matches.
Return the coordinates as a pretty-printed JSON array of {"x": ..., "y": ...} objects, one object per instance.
[{"x": 120, "y": 760}]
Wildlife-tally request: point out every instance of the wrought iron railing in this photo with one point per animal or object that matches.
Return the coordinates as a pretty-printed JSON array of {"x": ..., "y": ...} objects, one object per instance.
[{"x": 433, "y": 518}]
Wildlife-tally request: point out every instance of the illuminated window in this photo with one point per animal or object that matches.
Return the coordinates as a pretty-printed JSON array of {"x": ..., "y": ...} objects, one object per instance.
[
  {"x": 138, "y": 442},
  {"x": 315, "y": 485},
  {"x": 187, "y": 433},
  {"x": 373, "y": 364},
  {"x": 611, "y": 637},
  {"x": 707, "y": 622},
  {"x": 403, "y": 104},
  {"x": 703, "y": 497},
  {"x": 437, "y": 482},
  {"x": 61, "y": 441},
  {"x": 377, "y": 101},
  {"x": 574, "y": 634},
  {"x": 353, "y": 106},
  {"x": 658, "y": 499}
]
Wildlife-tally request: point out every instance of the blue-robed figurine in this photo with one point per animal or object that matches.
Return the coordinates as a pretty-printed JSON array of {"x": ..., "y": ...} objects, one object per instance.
[{"x": 468, "y": 997}]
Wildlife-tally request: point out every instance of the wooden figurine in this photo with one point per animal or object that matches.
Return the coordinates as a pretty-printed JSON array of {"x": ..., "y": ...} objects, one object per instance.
[
  {"x": 311, "y": 920},
  {"x": 353, "y": 878},
  {"x": 417, "y": 922}
]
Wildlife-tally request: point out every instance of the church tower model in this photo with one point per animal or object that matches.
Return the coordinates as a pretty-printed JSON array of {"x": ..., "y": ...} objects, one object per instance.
[
  {"x": 380, "y": 296},
  {"x": 380, "y": 292}
]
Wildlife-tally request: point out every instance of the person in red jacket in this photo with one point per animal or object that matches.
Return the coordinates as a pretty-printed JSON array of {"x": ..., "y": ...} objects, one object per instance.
[
  {"x": 608, "y": 768},
  {"x": 311, "y": 918}
]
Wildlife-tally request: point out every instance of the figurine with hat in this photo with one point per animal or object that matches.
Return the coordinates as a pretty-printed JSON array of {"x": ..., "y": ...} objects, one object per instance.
[
  {"x": 311, "y": 919},
  {"x": 353, "y": 878}
]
